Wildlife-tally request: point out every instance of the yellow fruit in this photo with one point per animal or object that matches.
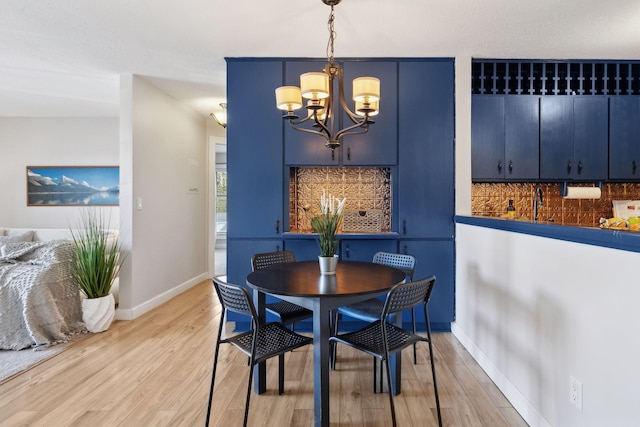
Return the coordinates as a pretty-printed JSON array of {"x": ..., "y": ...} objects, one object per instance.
[
  {"x": 635, "y": 226},
  {"x": 633, "y": 220}
]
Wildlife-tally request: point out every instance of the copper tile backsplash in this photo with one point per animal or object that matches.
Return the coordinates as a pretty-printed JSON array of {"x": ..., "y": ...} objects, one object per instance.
[
  {"x": 492, "y": 200},
  {"x": 364, "y": 188}
]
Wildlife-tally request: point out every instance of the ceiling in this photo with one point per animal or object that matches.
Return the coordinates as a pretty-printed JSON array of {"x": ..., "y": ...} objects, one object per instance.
[{"x": 64, "y": 57}]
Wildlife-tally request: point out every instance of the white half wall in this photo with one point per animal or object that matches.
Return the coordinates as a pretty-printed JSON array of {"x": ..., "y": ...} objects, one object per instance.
[
  {"x": 54, "y": 141},
  {"x": 163, "y": 197},
  {"x": 534, "y": 311}
]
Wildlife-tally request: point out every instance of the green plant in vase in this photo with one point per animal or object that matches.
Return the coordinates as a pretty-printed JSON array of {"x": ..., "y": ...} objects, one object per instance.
[
  {"x": 94, "y": 268},
  {"x": 327, "y": 223}
]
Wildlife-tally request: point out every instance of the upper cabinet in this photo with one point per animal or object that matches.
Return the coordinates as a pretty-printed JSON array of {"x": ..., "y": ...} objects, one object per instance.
[
  {"x": 573, "y": 138},
  {"x": 624, "y": 138},
  {"x": 425, "y": 153},
  {"x": 254, "y": 152},
  {"x": 505, "y": 137},
  {"x": 377, "y": 147}
]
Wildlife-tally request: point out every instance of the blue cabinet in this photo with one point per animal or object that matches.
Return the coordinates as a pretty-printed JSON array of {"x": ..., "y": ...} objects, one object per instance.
[
  {"x": 239, "y": 253},
  {"x": 435, "y": 257},
  {"x": 254, "y": 153},
  {"x": 363, "y": 250},
  {"x": 573, "y": 138},
  {"x": 624, "y": 137},
  {"x": 426, "y": 149},
  {"x": 379, "y": 146},
  {"x": 302, "y": 148},
  {"x": 504, "y": 138}
]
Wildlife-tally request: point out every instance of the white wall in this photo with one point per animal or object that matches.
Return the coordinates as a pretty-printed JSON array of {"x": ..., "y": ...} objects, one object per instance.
[
  {"x": 51, "y": 142},
  {"x": 534, "y": 311},
  {"x": 163, "y": 156}
]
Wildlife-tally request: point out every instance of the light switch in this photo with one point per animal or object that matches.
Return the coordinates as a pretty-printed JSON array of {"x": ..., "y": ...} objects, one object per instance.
[{"x": 139, "y": 203}]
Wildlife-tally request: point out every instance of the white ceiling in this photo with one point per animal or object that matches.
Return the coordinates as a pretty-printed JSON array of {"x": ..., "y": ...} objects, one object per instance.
[{"x": 64, "y": 57}]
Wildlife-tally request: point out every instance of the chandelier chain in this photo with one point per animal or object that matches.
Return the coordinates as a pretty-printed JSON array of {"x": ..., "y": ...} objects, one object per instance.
[{"x": 332, "y": 37}]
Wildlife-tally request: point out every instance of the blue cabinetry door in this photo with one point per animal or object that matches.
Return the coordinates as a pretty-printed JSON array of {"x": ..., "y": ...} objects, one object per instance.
[
  {"x": 521, "y": 137},
  {"x": 364, "y": 250},
  {"x": 302, "y": 148},
  {"x": 487, "y": 137},
  {"x": 425, "y": 150},
  {"x": 239, "y": 253},
  {"x": 303, "y": 249},
  {"x": 573, "y": 138},
  {"x": 435, "y": 257},
  {"x": 254, "y": 152},
  {"x": 379, "y": 145},
  {"x": 624, "y": 137}
]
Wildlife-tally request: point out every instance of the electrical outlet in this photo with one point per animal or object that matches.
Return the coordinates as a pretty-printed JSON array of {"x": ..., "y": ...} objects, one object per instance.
[{"x": 575, "y": 393}]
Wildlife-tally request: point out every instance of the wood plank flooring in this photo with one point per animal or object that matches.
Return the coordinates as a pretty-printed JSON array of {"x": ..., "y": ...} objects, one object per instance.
[{"x": 156, "y": 369}]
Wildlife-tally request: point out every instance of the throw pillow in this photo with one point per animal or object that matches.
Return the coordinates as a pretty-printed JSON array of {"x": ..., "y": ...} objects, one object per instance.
[{"x": 27, "y": 236}]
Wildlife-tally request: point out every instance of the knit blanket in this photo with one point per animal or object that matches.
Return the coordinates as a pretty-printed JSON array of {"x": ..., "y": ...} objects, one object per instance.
[{"x": 39, "y": 304}]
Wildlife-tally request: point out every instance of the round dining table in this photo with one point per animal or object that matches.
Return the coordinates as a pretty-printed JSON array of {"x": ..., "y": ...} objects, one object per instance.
[{"x": 302, "y": 283}]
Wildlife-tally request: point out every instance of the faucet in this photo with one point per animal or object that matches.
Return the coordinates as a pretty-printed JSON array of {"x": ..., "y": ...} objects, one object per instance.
[{"x": 537, "y": 202}]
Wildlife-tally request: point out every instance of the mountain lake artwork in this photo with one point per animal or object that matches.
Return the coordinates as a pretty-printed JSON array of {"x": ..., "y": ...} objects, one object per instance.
[{"x": 73, "y": 185}]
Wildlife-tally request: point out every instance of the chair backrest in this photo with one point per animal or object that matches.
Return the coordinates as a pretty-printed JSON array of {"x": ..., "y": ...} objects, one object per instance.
[
  {"x": 234, "y": 298},
  {"x": 406, "y": 263},
  {"x": 267, "y": 259},
  {"x": 408, "y": 295}
]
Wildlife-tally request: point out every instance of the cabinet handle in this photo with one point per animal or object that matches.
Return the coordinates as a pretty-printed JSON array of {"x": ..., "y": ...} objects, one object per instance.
[
  {"x": 277, "y": 248},
  {"x": 277, "y": 226},
  {"x": 499, "y": 166},
  {"x": 404, "y": 226},
  {"x": 346, "y": 251},
  {"x": 348, "y": 153},
  {"x": 405, "y": 250},
  {"x": 634, "y": 166},
  {"x": 569, "y": 166},
  {"x": 579, "y": 167},
  {"x": 510, "y": 166}
]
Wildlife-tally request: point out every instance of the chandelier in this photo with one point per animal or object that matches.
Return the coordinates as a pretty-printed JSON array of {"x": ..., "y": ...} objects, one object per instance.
[
  {"x": 317, "y": 89},
  {"x": 220, "y": 116}
]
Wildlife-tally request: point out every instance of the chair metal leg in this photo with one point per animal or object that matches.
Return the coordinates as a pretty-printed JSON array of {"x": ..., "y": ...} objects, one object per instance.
[
  {"x": 375, "y": 375},
  {"x": 335, "y": 319},
  {"x": 433, "y": 368},
  {"x": 281, "y": 374},
  {"x": 413, "y": 323},
  {"x": 246, "y": 406},
  {"x": 213, "y": 372},
  {"x": 393, "y": 408}
]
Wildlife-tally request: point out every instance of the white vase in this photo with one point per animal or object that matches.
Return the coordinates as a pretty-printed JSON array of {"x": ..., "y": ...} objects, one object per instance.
[
  {"x": 328, "y": 264},
  {"x": 98, "y": 313}
]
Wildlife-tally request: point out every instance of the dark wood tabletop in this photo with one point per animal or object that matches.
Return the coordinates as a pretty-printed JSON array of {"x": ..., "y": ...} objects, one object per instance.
[{"x": 303, "y": 279}]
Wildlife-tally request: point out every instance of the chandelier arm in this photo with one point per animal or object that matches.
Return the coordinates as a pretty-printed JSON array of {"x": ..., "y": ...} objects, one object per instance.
[
  {"x": 315, "y": 132},
  {"x": 346, "y": 131}
]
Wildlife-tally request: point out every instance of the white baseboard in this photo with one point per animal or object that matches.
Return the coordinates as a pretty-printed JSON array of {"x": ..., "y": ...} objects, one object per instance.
[
  {"x": 519, "y": 402},
  {"x": 140, "y": 309}
]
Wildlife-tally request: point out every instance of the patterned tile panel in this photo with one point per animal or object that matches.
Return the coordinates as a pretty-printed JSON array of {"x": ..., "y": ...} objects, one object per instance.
[
  {"x": 364, "y": 188},
  {"x": 492, "y": 200}
]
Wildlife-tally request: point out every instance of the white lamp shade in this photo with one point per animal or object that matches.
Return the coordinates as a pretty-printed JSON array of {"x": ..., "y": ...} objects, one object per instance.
[
  {"x": 314, "y": 85},
  {"x": 220, "y": 117},
  {"x": 366, "y": 89},
  {"x": 375, "y": 106},
  {"x": 288, "y": 98}
]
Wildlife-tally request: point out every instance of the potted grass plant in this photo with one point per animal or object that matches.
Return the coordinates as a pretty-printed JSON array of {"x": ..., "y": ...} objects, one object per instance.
[
  {"x": 326, "y": 225},
  {"x": 95, "y": 266}
]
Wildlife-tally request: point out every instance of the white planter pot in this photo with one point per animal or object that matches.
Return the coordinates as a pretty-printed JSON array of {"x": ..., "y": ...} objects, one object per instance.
[
  {"x": 328, "y": 264},
  {"x": 98, "y": 313}
]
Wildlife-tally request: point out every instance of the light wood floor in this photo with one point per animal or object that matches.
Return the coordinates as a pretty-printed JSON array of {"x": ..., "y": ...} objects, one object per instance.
[{"x": 155, "y": 371}]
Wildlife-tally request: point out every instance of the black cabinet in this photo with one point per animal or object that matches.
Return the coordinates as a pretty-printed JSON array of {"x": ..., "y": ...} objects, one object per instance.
[
  {"x": 624, "y": 138},
  {"x": 504, "y": 138},
  {"x": 425, "y": 152},
  {"x": 573, "y": 138}
]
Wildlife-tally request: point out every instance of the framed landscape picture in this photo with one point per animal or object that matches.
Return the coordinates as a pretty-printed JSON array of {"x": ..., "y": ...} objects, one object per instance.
[{"x": 73, "y": 185}]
